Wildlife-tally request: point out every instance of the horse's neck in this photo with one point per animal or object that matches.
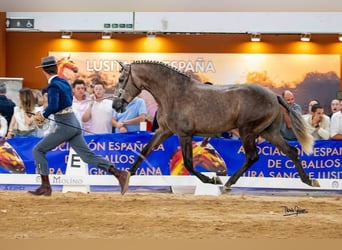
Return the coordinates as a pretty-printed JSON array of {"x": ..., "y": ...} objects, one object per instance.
[
  {"x": 166, "y": 95},
  {"x": 152, "y": 76}
]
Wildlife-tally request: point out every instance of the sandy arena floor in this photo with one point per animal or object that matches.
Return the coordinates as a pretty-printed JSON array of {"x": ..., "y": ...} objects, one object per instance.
[{"x": 167, "y": 216}]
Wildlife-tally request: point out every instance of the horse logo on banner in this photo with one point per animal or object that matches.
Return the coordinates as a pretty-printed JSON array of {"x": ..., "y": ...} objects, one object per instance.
[
  {"x": 10, "y": 161},
  {"x": 66, "y": 63}
]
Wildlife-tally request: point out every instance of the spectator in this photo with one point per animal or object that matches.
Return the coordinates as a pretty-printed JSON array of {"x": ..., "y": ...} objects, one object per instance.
[
  {"x": 22, "y": 122},
  {"x": 3, "y": 126},
  {"x": 286, "y": 127},
  {"x": 99, "y": 111},
  {"x": 6, "y": 105},
  {"x": 80, "y": 103},
  {"x": 334, "y": 107},
  {"x": 129, "y": 120},
  {"x": 39, "y": 97},
  {"x": 319, "y": 123},
  {"x": 336, "y": 124},
  {"x": 49, "y": 125},
  {"x": 311, "y": 103}
]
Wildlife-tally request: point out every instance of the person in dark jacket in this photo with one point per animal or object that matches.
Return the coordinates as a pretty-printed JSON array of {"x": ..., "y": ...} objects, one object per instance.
[
  {"x": 6, "y": 105},
  {"x": 68, "y": 130}
]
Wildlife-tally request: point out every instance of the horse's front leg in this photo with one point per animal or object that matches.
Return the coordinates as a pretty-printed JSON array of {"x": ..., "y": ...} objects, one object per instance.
[
  {"x": 157, "y": 138},
  {"x": 186, "y": 145}
]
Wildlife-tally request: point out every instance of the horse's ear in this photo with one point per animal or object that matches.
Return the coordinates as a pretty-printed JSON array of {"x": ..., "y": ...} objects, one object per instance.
[{"x": 123, "y": 66}]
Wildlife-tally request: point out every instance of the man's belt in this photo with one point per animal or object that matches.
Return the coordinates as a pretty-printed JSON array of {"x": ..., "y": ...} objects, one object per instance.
[{"x": 65, "y": 111}]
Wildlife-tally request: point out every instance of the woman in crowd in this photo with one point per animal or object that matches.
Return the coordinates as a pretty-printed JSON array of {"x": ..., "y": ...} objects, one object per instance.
[{"x": 22, "y": 122}]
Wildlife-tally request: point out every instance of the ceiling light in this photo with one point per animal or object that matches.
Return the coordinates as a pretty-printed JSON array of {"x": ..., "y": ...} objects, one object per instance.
[
  {"x": 305, "y": 37},
  {"x": 151, "y": 34},
  {"x": 106, "y": 35},
  {"x": 255, "y": 37},
  {"x": 66, "y": 34},
  {"x": 340, "y": 37}
]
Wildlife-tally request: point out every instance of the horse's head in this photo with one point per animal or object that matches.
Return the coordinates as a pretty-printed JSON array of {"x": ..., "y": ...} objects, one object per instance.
[{"x": 126, "y": 89}]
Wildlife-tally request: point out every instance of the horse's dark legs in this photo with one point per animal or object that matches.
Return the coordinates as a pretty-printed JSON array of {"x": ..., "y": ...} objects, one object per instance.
[
  {"x": 186, "y": 145},
  {"x": 251, "y": 157},
  {"x": 158, "y": 138},
  {"x": 292, "y": 153}
]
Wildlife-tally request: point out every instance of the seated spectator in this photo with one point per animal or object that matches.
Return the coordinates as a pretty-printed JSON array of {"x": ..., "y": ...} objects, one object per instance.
[
  {"x": 129, "y": 120},
  {"x": 99, "y": 111},
  {"x": 319, "y": 123},
  {"x": 336, "y": 124},
  {"x": 22, "y": 122},
  {"x": 334, "y": 107}
]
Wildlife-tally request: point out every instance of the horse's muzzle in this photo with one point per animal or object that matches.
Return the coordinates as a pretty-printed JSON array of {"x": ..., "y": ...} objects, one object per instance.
[{"x": 119, "y": 105}]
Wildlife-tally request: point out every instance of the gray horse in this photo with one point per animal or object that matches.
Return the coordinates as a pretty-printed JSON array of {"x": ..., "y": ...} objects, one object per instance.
[{"x": 186, "y": 108}]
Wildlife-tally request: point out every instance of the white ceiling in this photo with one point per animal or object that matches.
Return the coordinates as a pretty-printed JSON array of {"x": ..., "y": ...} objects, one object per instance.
[{"x": 173, "y": 5}]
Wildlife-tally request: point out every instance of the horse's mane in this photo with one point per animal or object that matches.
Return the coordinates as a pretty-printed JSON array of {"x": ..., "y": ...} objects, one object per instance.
[{"x": 161, "y": 64}]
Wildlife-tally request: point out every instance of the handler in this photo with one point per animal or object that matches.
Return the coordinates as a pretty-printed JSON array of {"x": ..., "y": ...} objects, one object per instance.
[{"x": 68, "y": 130}]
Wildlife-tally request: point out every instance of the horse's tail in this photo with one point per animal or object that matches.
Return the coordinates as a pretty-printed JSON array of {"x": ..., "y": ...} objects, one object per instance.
[{"x": 299, "y": 127}]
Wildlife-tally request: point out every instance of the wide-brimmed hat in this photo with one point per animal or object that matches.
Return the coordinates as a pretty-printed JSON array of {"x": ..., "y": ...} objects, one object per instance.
[{"x": 47, "y": 62}]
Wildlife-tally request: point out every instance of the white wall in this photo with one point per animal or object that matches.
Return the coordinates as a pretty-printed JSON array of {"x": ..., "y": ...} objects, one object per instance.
[
  {"x": 226, "y": 22},
  {"x": 240, "y": 22}
]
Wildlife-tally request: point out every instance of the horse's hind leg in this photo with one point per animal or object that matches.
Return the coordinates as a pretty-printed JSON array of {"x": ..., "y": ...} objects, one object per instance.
[
  {"x": 251, "y": 157},
  {"x": 186, "y": 145},
  {"x": 276, "y": 139}
]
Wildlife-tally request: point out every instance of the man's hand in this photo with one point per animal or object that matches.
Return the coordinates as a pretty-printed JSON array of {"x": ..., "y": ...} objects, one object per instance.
[
  {"x": 316, "y": 120},
  {"x": 39, "y": 118}
]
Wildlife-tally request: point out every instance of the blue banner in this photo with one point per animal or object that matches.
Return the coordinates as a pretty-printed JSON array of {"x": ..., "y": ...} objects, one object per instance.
[{"x": 224, "y": 156}]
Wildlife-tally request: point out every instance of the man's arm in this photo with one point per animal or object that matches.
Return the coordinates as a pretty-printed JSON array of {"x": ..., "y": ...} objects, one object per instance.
[{"x": 337, "y": 137}]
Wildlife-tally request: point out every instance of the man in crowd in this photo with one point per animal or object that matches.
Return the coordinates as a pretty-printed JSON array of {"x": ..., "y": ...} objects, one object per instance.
[
  {"x": 336, "y": 124},
  {"x": 6, "y": 105},
  {"x": 286, "y": 126},
  {"x": 319, "y": 123}
]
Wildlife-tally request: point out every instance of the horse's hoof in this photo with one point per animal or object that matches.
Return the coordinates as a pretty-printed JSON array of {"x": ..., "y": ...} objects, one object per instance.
[
  {"x": 216, "y": 180},
  {"x": 314, "y": 183},
  {"x": 226, "y": 190}
]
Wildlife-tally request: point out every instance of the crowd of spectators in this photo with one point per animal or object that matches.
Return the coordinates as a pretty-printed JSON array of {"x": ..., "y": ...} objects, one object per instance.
[
  {"x": 93, "y": 108},
  {"x": 320, "y": 125}
]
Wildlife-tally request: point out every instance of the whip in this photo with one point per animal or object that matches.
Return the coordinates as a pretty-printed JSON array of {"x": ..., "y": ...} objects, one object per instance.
[{"x": 60, "y": 122}]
